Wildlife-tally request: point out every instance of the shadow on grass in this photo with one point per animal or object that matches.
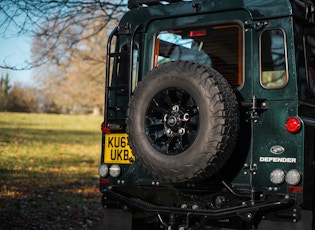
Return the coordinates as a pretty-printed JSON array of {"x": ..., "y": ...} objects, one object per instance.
[
  {"x": 48, "y": 135},
  {"x": 48, "y": 200},
  {"x": 48, "y": 179}
]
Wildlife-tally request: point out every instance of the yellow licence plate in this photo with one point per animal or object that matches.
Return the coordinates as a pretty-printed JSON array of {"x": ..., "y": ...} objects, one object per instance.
[{"x": 117, "y": 149}]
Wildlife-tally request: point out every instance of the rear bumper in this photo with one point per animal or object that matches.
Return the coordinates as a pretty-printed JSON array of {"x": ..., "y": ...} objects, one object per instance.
[{"x": 247, "y": 211}]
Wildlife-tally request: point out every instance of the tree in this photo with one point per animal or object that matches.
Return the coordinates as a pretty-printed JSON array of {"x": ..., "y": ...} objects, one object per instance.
[
  {"x": 17, "y": 98},
  {"x": 23, "y": 99},
  {"x": 5, "y": 84},
  {"x": 69, "y": 39},
  {"x": 61, "y": 22},
  {"x": 4, "y": 91},
  {"x": 76, "y": 79}
]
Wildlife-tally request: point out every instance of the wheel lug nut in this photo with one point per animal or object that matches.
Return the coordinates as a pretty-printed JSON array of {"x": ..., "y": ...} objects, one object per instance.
[
  {"x": 168, "y": 132},
  {"x": 186, "y": 117},
  {"x": 181, "y": 131},
  {"x": 175, "y": 108}
]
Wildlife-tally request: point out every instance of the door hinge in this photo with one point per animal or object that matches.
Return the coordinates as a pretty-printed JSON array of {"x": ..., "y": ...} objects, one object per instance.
[
  {"x": 256, "y": 107},
  {"x": 256, "y": 25}
]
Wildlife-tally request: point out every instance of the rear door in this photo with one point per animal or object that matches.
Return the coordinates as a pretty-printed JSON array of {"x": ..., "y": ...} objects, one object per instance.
[
  {"x": 275, "y": 90},
  {"x": 221, "y": 41}
]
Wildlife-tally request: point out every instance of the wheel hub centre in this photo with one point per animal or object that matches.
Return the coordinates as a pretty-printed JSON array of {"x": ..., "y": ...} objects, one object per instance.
[{"x": 172, "y": 120}]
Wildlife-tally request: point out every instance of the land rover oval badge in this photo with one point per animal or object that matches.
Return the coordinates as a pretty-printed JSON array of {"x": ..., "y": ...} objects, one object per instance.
[{"x": 277, "y": 149}]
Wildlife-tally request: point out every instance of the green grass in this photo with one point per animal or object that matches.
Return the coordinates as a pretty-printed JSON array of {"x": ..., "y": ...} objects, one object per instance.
[{"x": 48, "y": 171}]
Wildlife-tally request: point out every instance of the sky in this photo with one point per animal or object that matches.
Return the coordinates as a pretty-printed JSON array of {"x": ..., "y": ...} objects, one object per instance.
[{"x": 16, "y": 51}]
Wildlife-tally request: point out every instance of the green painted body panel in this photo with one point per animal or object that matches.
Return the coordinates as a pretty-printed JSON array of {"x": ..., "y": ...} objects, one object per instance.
[
  {"x": 258, "y": 10},
  {"x": 254, "y": 157},
  {"x": 269, "y": 131}
]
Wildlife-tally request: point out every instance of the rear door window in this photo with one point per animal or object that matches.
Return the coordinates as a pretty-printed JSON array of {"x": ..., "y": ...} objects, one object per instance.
[
  {"x": 273, "y": 61},
  {"x": 219, "y": 47}
]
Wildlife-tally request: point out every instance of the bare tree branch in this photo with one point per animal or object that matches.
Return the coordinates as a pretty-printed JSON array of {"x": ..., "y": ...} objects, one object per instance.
[{"x": 56, "y": 20}]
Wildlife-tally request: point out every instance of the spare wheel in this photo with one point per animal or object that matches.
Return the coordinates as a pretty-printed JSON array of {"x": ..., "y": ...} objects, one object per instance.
[{"x": 182, "y": 122}]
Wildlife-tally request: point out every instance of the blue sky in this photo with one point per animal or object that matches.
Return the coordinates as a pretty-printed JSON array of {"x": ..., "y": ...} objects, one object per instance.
[{"x": 15, "y": 51}]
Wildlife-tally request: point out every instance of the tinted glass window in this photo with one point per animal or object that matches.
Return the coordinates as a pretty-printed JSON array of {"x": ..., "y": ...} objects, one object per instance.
[
  {"x": 310, "y": 60},
  {"x": 123, "y": 65},
  {"x": 273, "y": 59},
  {"x": 219, "y": 47}
]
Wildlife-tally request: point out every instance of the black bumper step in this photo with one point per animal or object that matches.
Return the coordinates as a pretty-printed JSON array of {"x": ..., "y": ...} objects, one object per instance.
[{"x": 247, "y": 212}]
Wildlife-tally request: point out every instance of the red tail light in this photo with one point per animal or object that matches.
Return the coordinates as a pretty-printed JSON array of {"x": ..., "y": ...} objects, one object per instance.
[
  {"x": 295, "y": 189},
  {"x": 106, "y": 129},
  {"x": 293, "y": 125},
  {"x": 197, "y": 33},
  {"x": 104, "y": 181}
]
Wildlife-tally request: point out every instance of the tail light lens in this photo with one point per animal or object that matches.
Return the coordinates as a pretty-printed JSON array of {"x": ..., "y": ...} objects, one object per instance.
[
  {"x": 103, "y": 170},
  {"x": 277, "y": 176},
  {"x": 293, "y": 125},
  {"x": 293, "y": 177},
  {"x": 105, "y": 129},
  {"x": 114, "y": 170}
]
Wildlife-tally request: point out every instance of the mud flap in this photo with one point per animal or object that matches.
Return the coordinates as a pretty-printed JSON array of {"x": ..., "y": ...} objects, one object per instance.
[{"x": 115, "y": 219}]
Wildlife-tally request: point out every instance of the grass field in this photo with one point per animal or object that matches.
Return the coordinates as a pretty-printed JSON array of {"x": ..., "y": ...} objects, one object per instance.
[{"x": 48, "y": 171}]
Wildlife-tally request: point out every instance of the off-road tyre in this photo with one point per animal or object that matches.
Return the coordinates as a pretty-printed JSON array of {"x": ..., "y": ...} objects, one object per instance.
[{"x": 183, "y": 122}]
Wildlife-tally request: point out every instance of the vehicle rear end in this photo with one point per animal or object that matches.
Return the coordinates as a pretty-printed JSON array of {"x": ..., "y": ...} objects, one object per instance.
[{"x": 204, "y": 124}]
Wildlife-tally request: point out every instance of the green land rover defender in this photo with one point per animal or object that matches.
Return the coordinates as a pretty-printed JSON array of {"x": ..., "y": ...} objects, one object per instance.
[{"x": 210, "y": 116}]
